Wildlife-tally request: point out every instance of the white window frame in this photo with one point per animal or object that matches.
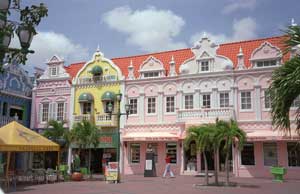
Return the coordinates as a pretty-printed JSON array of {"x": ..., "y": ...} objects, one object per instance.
[
  {"x": 137, "y": 101},
  {"x": 155, "y": 104},
  {"x": 184, "y": 100},
  {"x": 264, "y": 100},
  {"x": 206, "y": 100},
  {"x": 166, "y": 105},
  {"x": 63, "y": 110},
  {"x": 264, "y": 61},
  {"x": 204, "y": 65},
  {"x": 251, "y": 101},
  {"x": 48, "y": 114},
  {"x": 51, "y": 71},
  {"x": 219, "y": 97},
  {"x": 153, "y": 73}
]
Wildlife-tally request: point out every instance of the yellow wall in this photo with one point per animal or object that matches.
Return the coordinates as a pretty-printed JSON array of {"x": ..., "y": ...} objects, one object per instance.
[{"x": 97, "y": 90}]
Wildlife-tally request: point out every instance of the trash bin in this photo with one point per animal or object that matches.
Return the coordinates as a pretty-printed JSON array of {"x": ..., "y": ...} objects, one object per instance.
[{"x": 278, "y": 173}]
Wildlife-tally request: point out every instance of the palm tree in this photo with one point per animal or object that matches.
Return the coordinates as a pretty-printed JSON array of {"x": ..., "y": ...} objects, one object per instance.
[
  {"x": 231, "y": 134},
  {"x": 85, "y": 135},
  {"x": 285, "y": 86},
  {"x": 203, "y": 136}
]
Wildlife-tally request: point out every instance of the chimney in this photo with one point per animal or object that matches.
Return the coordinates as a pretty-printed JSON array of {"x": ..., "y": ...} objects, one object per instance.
[
  {"x": 172, "y": 67},
  {"x": 131, "y": 71},
  {"x": 241, "y": 61}
]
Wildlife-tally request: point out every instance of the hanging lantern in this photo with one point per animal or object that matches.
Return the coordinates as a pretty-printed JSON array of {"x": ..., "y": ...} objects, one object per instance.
[
  {"x": 25, "y": 34},
  {"x": 4, "y": 5}
]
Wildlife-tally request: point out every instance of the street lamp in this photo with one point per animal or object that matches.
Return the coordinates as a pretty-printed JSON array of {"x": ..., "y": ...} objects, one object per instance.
[
  {"x": 110, "y": 111},
  {"x": 29, "y": 18}
]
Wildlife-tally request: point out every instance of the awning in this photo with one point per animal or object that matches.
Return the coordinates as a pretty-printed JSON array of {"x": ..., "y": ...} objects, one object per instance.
[
  {"x": 96, "y": 70},
  {"x": 108, "y": 96},
  {"x": 14, "y": 137},
  {"x": 268, "y": 135},
  {"x": 85, "y": 97},
  {"x": 150, "y": 136}
]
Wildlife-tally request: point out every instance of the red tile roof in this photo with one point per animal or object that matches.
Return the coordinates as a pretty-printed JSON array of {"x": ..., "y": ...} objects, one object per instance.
[
  {"x": 73, "y": 69},
  {"x": 229, "y": 50}
]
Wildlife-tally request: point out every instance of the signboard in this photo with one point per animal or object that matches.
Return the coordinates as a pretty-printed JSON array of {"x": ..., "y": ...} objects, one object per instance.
[
  {"x": 112, "y": 171},
  {"x": 148, "y": 165},
  {"x": 108, "y": 140}
]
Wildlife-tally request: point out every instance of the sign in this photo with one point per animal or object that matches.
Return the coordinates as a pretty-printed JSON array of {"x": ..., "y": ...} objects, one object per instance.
[
  {"x": 148, "y": 165},
  {"x": 112, "y": 171},
  {"x": 108, "y": 140}
]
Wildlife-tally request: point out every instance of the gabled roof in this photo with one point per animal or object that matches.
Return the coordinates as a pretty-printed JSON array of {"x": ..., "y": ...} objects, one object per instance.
[{"x": 229, "y": 50}]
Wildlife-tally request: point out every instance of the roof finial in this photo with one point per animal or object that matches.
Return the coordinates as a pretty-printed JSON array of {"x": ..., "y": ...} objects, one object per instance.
[
  {"x": 98, "y": 48},
  {"x": 204, "y": 35},
  {"x": 293, "y": 22},
  {"x": 131, "y": 63},
  {"x": 172, "y": 58}
]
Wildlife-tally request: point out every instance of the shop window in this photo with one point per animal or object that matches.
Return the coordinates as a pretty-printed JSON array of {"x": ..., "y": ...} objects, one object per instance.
[
  {"x": 171, "y": 150},
  {"x": 246, "y": 100},
  {"x": 188, "y": 102},
  {"x": 206, "y": 100},
  {"x": 293, "y": 149},
  {"x": 247, "y": 154},
  {"x": 133, "y": 106},
  {"x": 60, "y": 111},
  {"x": 151, "y": 105},
  {"x": 170, "y": 104},
  {"x": 224, "y": 99},
  {"x": 134, "y": 153},
  {"x": 270, "y": 154}
]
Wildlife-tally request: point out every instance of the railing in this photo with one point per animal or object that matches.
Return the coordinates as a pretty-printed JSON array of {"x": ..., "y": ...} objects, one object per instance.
[
  {"x": 97, "y": 79},
  {"x": 5, "y": 120},
  {"x": 106, "y": 120},
  {"x": 79, "y": 118},
  {"x": 205, "y": 114}
]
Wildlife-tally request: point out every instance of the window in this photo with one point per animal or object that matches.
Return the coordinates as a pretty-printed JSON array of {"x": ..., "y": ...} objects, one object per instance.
[
  {"x": 266, "y": 63},
  {"x": 188, "y": 102},
  {"x": 45, "y": 112},
  {"x": 247, "y": 154},
  {"x": 133, "y": 106},
  {"x": 60, "y": 111},
  {"x": 204, "y": 66},
  {"x": 206, "y": 100},
  {"x": 53, "y": 71},
  {"x": 296, "y": 102},
  {"x": 16, "y": 111},
  {"x": 267, "y": 98},
  {"x": 86, "y": 108},
  {"x": 151, "y": 105},
  {"x": 134, "y": 153},
  {"x": 171, "y": 150},
  {"x": 245, "y": 100},
  {"x": 106, "y": 106},
  {"x": 224, "y": 99},
  {"x": 170, "y": 104},
  {"x": 270, "y": 154},
  {"x": 293, "y": 149},
  {"x": 4, "y": 109},
  {"x": 151, "y": 74}
]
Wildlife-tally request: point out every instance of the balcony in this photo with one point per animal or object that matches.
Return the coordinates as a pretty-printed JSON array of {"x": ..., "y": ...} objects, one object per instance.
[
  {"x": 106, "y": 120},
  {"x": 97, "y": 79},
  {"x": 4, "y": 120},
  {"x": 79, "y": 118},
  {"x": 205, "y": 115}
]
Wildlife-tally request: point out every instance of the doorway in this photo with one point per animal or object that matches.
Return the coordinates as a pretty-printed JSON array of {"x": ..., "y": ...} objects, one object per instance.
[{"x": 191, "y": 157}]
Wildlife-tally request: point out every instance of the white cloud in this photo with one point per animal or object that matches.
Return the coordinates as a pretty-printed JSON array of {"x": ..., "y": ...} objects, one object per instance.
[
  {"x": 149, "y": 29},
  {"x": 47, "y": 44},
  {"x": 235, "y": 5},
  {"x": 242, "y": 29}
]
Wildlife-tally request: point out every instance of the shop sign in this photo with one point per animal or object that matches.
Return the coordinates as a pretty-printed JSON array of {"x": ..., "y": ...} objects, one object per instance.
[
  {"x": 112, "y": 171},
  {"x": 108, "y": 140}
]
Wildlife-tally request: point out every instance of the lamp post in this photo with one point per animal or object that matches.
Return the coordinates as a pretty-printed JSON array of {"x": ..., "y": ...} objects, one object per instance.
[
  {"x": 119, "y": 113},
  {"x": 29, "y": 18}
]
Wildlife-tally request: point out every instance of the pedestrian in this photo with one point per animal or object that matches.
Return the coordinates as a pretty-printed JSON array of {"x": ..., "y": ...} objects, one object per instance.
[{"x": 168, "y": 167}]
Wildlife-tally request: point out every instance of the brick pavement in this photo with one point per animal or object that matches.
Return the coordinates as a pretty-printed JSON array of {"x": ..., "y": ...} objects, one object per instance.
[{"x": 157, "y": 185}]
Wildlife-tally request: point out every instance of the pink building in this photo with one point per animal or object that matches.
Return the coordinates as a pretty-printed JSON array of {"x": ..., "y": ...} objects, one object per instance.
[{"x": 170, "y": 91}]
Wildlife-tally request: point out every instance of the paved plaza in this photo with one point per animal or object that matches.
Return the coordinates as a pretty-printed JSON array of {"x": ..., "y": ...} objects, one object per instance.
[{"x": 157, "y": 185}]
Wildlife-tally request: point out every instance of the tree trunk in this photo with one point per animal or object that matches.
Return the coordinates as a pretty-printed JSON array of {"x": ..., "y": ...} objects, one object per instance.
[
  {"x": 216, "y": 166},
  {"x": 90, "y": 163},
  {"x": 227, "y": 168},
  {"x": 206, "y": 168}
]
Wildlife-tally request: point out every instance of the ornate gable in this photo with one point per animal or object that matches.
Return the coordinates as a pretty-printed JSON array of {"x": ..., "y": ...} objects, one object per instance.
[
  {"x": 58, "y": 64},
  {"x": 152, "y": 64},
  {"x": 266, "y": 51}
]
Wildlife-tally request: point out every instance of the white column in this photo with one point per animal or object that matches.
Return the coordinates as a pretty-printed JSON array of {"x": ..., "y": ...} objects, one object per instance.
[
  {"x": 141, "y": 108},
  {"x": 197, "y": 102},
  {"x": 71, "y": 111},
  {"x": 160, "y": 107},
  {"x": 234, "y": 96},
  {"x": 214, "y": 98},
  {"x": 180, "y": 100},
  {"x": 257, "y": 102}
]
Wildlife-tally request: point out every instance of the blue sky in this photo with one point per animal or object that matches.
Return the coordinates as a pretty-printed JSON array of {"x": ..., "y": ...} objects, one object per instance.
[{"x": 74, "y": 28}]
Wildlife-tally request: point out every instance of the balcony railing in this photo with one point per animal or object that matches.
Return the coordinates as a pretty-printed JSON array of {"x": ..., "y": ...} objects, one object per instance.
[
  {"x": 5, "y": 120},
  {"x": 106, "y": 120},
  {"x": 97, "y": 79},
  {"x": 205, "y": 115},
  {"x": 79, "y": 118}
]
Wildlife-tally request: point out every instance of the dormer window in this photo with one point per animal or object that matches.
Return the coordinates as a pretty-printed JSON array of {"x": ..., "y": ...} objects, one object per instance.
[
  {"x": 266, "y": 63},
  {"x": 204, "y": 66},
  {"x": 151, "y": 74}
]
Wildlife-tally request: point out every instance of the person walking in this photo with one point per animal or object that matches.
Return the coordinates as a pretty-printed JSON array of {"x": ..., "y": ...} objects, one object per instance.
[{"x": 168, "y": 167}]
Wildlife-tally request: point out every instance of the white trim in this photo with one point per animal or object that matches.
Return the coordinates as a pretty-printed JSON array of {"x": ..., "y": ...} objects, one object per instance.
[
  {"x": 165, "y": 104},
  {"x": 240, "y": 101}
]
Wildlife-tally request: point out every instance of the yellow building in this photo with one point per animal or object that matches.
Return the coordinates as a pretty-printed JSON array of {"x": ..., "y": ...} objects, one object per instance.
[{"x": 97, "y": 86}]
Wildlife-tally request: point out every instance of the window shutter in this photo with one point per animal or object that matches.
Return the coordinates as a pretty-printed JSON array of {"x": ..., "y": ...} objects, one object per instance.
[
  {"x": 50, "y": 111},
  {"x": 40, "y": 113},
  {"x": 65, "y": 111},
  {"x": 54, "y": 117}
]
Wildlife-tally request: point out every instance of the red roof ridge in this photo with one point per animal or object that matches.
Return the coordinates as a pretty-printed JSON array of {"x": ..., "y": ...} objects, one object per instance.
[
  {"x": 77, "y": 63},
  {"x": 149, "y": 54},
  {"x": 253, "y": 40}
]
